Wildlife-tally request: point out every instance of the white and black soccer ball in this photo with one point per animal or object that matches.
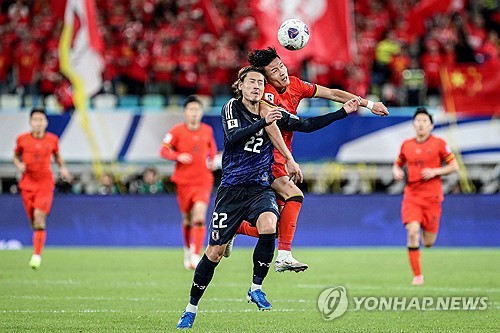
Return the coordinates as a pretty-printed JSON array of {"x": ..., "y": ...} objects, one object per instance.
[{"x": 293, "y": 34}]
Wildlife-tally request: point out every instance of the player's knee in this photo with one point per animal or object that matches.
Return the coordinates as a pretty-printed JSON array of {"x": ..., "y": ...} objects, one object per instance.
[
  {"x": 199, "y": 223},
  {"x": 38, "y": 226},
  {"x": 428, "y": 242},
  {"x": 214, "y": 253},
  {"x": 267, "y": 227},
  {"x": 413, "y": 236},
  {"x": 38, "y": 222}
]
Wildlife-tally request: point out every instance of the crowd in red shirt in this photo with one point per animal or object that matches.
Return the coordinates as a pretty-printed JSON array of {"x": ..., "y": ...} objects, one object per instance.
[{"x": 170, "y": 46}]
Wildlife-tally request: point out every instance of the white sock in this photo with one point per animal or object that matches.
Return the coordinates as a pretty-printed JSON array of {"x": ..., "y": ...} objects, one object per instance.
[
  {"x": 191, "y": 308},
  {"x": 254, "y": 287},
  {"x": 282, "y": 254}
]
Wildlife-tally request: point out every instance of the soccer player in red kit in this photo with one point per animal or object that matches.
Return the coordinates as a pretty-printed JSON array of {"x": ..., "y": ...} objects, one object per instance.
[
  {"x": 192, "y": 145},
  {"x": 424, "y": 156},
  {"x": 287, "y": 91},
  {"x": 32, "y": 157}
]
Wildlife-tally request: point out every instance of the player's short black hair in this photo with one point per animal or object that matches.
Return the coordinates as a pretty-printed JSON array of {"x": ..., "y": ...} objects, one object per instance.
[
  {"x": 423, "y": 110},
  {"x": 192, "y": 98},
  {"x": 263, "y": 57},
  {"x": 38, "y": 110},
  {"x": 242, "y": 73}
]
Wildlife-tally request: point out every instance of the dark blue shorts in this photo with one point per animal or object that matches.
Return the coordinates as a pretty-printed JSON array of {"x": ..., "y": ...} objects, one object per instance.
[{"x": 236, "y": 204}]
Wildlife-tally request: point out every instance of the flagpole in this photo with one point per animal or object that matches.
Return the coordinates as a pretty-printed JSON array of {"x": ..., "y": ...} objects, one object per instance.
[{"x": 80, "y": 98}]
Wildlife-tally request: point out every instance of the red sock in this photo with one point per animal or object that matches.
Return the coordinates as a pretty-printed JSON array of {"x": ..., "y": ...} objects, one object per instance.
[
  {"x": 246, "y": 229},
  {"x": 39, "y": 237},
  {"x": 414, "y": 256},
  {"x": 186, "y": 235},
  {"x": 280, "y": 201},
  {"x": 288, "y": 222},
  {"x": 199, "y": 232}
]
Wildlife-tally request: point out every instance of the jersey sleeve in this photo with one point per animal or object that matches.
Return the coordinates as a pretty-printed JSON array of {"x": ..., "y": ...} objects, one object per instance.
[
  {"x": 56, "y": 145},
  {"x": 213, "y": 144},
  {"x": 401, "y": 160},
  {"x": 18, "y": 150},
  {"x": 167, "y": 149},
  {"x": 231, "y": 123},
  {"x": 307, "y": 89},
  {"x": 445, "y": 152}
]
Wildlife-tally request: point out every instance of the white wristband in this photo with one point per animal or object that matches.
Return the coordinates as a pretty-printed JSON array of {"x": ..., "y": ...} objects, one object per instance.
[{"x": 370, "y": 105}]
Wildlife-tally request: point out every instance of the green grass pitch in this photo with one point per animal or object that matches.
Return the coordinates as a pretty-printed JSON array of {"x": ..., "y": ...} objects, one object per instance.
[{"x": 145, "y": 290}]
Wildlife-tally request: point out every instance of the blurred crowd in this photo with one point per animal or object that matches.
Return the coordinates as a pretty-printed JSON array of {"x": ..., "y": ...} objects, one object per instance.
[
  {"x": 169, "y": 47},
  {"x": 149, "y": 182}
]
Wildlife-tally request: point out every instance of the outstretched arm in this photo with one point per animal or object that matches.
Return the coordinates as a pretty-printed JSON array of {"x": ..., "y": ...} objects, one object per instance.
[
  {"x": 308, "y": 125},
  {"x": 337, "y": 95}
]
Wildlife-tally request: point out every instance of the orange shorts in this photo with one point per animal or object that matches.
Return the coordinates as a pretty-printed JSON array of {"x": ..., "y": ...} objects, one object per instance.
[
  {"x": 37, "y": 199},
  {"x": 427, "y": 213},
  {"x": 187, "y": 195},
  {"x": 279, "y": 170}
]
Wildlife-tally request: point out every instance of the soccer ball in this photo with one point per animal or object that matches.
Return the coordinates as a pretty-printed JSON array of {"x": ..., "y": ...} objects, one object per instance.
[{"x": 293, "y": 34}]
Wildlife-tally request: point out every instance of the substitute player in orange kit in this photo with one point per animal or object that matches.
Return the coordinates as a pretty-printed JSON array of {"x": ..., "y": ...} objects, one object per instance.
[
  {"x": 286, "y": 92},
  {"x": 421, "y": 208},
  {"x": 32, "y": 157},
  {"x": 192, "y": 145}
]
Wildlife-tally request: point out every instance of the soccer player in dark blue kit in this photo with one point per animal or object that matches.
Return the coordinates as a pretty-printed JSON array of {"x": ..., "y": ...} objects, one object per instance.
[{"x": 245, "y": 192}]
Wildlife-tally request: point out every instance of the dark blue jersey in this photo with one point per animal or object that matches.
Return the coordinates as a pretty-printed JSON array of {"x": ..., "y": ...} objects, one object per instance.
[{"x": 248, "y": 151}]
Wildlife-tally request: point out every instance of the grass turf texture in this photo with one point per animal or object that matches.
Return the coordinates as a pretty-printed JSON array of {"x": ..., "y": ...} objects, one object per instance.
[{"x": 145, "y": 290}]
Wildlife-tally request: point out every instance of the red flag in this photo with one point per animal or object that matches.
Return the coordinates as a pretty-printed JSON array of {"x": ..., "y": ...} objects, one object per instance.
[
  {"x": 329, "y": 21},
  {"x": 425, "y": 9},
  {"x": 472, "y": 89},
  {"x": 80, "y": 48}
]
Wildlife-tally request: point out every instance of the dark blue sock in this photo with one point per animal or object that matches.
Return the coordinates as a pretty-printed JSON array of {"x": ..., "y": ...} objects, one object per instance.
[
  {"x": 202, "y": 277},
  {"x": 263, "y": 256}
]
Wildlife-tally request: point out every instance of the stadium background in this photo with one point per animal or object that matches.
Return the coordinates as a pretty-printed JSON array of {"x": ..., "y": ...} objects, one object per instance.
[{"x": 405, "y": 53}]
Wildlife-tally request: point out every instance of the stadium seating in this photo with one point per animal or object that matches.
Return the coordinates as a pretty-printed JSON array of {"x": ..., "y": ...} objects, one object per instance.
[
  {"x": 105, "y": 102},
  {"x": 152, "y": 101},
  {"x": 52, "y": 105},
  {"x": 10, "y": 103},
  {"x": 127, "y": 101}
]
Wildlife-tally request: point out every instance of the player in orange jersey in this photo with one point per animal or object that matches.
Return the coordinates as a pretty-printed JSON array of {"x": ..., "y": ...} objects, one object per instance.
[
  {"x": 287, "y": 91},
  {"x": 32, "y": 157},
  {"x": 424, "y": 156},
  {"x": 192, "y": 145}
]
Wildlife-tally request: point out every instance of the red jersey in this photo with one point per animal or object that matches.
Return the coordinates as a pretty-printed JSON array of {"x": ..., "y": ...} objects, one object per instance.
[
  {"x": 289, "y": 100},
  {"x": 420, "y": 155},
  {"x": 37, "y": 156},
  {"x": 200, "y": 144}
]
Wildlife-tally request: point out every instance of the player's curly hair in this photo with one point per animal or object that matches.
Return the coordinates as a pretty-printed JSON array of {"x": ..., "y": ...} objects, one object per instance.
[
  {"x": 263, "y": 57},
  {"x": 242, "y": 73}
]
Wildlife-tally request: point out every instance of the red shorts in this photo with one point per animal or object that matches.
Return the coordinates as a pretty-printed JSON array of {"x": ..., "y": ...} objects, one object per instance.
[
  {"x": 37, "y": 199},
  {"x": 187, "y": 195},
  {"x": 427, "y": 213},
  {"x": 279, "y": 170}
]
